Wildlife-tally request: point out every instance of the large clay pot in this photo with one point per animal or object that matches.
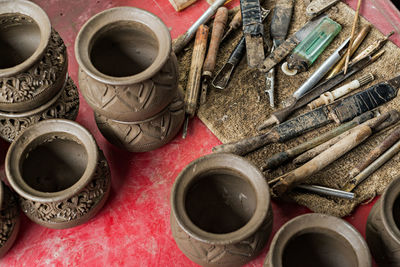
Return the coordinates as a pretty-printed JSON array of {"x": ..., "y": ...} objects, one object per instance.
[
  {"x": 383, "y": 224},
  {"x": 128, "y": 71},
  {"x": 315, "y": 240},
  {"x": 59, "y": 173},
  {"x": 9, "y": 219},
  {"x": 220, "y": 210}
]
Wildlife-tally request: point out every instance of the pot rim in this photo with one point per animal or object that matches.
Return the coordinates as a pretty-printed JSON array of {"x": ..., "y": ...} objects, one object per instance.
[
  {"x": 390, "y": 195},
  {"x": 19, "y": 147},
  {"x": 41, "y": 19},
  {"x": 223, "y": 161},
  {"x": 1, "y": 195},
  {"x": 318, "y": 223},
  {"x": 89, "y": 30}
]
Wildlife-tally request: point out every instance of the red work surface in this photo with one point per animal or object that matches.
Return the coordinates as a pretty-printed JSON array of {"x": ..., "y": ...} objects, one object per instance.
[{"x": 133, "y": 227}]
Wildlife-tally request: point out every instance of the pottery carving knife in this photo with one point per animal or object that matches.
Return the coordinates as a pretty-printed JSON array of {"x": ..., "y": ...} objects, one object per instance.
[
  {"x": 340, "y": 111},
  {"x": 279, "y": 29}
]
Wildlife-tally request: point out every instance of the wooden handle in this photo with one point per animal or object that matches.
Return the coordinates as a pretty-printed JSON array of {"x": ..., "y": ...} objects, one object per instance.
[{"x": 181, "y": 4}]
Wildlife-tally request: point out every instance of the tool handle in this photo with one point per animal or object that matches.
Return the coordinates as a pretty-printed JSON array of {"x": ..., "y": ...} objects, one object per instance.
[
  {"x": 218, "y": 29},
  {"x": 181, "y": 4},
  {"x": 237, "y": 53},
  {"x": 279, "y": 53},
  {"x": 251, "y": 17},
  {"x": 236, "y": 22},
  {"x": 193, "y": 85},
  {"x": 281, "y": 20}
]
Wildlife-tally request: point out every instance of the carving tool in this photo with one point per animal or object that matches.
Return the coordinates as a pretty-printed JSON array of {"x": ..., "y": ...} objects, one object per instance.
[
  {"x": 387, "y": 143},
  {"x": 357, "y": 42},
  {"x": 235, "y": 23},
  {"x": 317, "y": 7},
  {"x": 279, "y": 158},
  {"x": 289, "y": 44},
  {"x": 279, "y": 28},
  {"x": 253, "y": 31},
  {"x": 326, "y": 191},
  {"x": 193, "y": 85},
  {"x": 209, "y": 64},
  {"x": 340, "y": 111},
  {"x": 185, "y": 38},
  {"x": 329, "y": 97},
  {"x": 281, "y": 115},
  {"x": 181, "y": 4},
  {"x": 299, "y": 175},
  {"x": 353, "y": 29},
  {"x": 305, "y": 54},
  {"x": 374, "y": 47}
]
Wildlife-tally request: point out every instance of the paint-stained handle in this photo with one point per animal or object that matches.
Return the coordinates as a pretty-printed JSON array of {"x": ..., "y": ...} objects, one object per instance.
[
  {"x": 281, "y": 20},
  {"x": 279, "y": 53}
]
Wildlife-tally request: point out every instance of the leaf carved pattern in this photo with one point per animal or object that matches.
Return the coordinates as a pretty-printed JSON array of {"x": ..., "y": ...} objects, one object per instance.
[{"x": 8, "y": 216}]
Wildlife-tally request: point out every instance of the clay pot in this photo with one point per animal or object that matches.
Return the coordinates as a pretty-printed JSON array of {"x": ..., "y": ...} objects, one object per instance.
[
  {"x": 314, "y": 240},
  {"x": 220, "y": 210},
  {"x": 59, "y": 173},
  {"x": 144, "y": 135},
  {"x": 9, "y": 219},
  {"x": 128, "y": 71},
  {"x": 383, "y": 224}
]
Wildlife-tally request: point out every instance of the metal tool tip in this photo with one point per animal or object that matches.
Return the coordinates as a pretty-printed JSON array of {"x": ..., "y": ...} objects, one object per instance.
[{"x": 185, "y": 127}]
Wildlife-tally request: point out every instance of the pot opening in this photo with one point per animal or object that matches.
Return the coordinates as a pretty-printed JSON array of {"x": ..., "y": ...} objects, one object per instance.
[
  {"x": 55, "y": 164},
  {"x": 318, "y": 249},
  {"x": 220, "y": 202},
  {"x": 123, "y": 48},
  {"x": 396, "y": 212},
  {"x": 19, "y": 39}
]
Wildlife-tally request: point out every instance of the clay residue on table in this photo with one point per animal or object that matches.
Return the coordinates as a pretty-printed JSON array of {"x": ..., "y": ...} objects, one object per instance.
[{"x": 236, "y": 112}]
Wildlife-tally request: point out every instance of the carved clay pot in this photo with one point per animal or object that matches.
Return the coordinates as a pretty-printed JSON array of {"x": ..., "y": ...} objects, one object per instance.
[
  {"x": 9, "y": 219},
  {"x": 128, "y": 70},
  {"x": 220, "y": 210},
  {"x": 314, "y": 240},
  {"x": 144, "y": 135},
  {"x": 383, "y": 234},
  {"x": 59, "y": 173}
]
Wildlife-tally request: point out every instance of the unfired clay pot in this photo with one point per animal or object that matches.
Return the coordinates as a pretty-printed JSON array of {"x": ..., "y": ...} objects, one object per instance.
[
  {"x": 383, "y": 234},
  {"x": 9, "y": 219},
  {"x": 315, "y": 240},
  {"x": 144, "y": 135},
  {"x": 220, "y": 210},
  {"x": 128, "y": 70},
  {"x": 59, "y": 173}
]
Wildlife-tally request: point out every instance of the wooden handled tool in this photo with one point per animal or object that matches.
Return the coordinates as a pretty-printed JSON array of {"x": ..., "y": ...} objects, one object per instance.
[
  {"x": 353, "y": 30},
  {"x": 235, "y": 23},
  {"x": 193, "y": 85},
  {"x": 209, "y": 64},
  {"x": 181, "y": 4}
]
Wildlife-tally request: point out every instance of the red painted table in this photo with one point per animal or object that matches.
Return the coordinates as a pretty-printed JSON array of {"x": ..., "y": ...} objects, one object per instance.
[{"x": 133, "y": 227}]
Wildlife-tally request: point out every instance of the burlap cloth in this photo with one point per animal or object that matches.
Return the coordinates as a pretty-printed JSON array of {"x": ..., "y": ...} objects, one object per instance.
[{"x": 236, "y": 112}]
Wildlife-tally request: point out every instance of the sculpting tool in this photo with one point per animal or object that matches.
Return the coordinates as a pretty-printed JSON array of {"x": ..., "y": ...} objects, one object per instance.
[
  {"x": 279, "y": 28},
  {"x": 193, "y": 85},
  {"x": 353, "y": 29},
  {"x": 326, "y": 191},
  {"x": 235, "y": 23},
  {"x": 317, "y": 7},
  {"x": 209, "y": 64},
  {"x": 181, "y": 4},
  {"x": 340, "y": 111},
  {"x": 374, "y": 47}
]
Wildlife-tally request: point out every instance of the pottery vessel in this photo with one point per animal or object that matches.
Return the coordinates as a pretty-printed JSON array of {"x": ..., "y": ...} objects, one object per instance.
[
  {"x": 33, "y": 68},
  {"x": 383, "y": 234},
  {"x": 220, "y": 210},
  {"x": 314, "y": 240},
  {"x": 59, "y": 173},
  {"x": 144, "y": 135},
  {"x": 9, "y": 219},
  {"x": 128, "y": 71}
]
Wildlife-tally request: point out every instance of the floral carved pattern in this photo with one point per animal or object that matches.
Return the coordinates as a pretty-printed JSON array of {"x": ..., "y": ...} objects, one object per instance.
[{"x": 8, "y": 216}]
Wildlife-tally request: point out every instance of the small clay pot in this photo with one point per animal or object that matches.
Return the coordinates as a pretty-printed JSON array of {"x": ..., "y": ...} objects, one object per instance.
[
  {"x": 9, "y": 219},
  {"x": 315, "y": 240},
  {"x": 144, "y": 135},
  {"x": 220, "y": 210},
  {"x": 128, "y": 71},
  {"x": 59, "y": 173},
  {"x": 33, "y": 65},
  {"x": 383, "y": 224}
]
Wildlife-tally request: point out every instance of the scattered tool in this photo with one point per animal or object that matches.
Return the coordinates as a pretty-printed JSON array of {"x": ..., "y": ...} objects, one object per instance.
[
  {"x": 185, "y": 38},
  {"x": 299, "y": 175},
  {"x": 353, "y": 30},
  {"x": 377, "y": 45},
  {"x": 253, "y": 31},
  {"x": 193, "y": 85},
  {"x": 326, "y": 191},
  {"x": 181, "y": 4},
  {"x": 387, "y": 143},
  {"x": 279, "y": 28},
  {"x": 279, "y": 158},
  {"x": 329, "y": 97},
  {"x": 289, "y": 44},
  {"x": 235, "y": 23},
  {"x": 357, "y": 42},
  {"x": 305, "y": 54},
  {"x": 340, "y": 111},
  {"x": 317, "y": 7},
  {"x": 209, "y": 64},
  {"x": 281, "y": 115}
]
